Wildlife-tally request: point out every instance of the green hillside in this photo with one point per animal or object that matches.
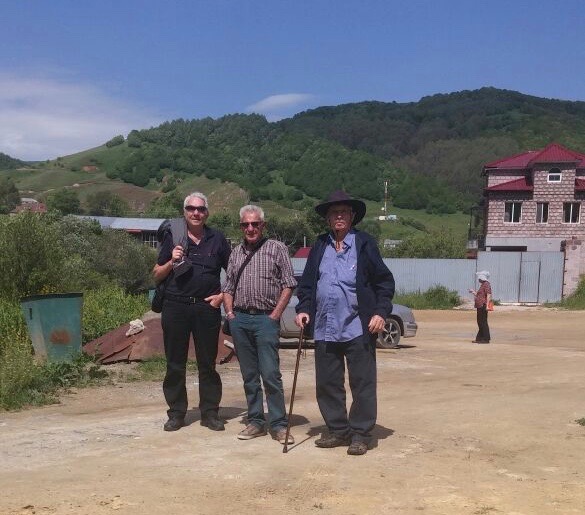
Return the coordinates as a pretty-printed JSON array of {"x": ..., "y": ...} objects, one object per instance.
[{"x": 431, "y": 153}]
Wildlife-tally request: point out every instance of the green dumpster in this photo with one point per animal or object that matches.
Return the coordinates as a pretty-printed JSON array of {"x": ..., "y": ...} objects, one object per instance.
[{"x": 54, "y": 324}]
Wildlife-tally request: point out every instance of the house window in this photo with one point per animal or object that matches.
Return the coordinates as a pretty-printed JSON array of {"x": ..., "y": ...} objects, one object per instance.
[
  {"x": 571, "y": 212},
  {"x": 541, "y": 212},
  {"x": 512, "y": 212},
  {"x": 554, "y": 175},
  {"x": 149, "y": 238}
]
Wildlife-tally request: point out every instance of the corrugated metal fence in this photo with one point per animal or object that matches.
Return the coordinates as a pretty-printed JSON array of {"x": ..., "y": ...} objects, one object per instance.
[{"x": 531, "y": 277}]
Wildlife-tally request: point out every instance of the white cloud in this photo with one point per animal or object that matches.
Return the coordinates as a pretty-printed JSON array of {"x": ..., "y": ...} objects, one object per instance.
[
  {"x": 44, "y": 118},
  {"x": 276, "y": 107}
]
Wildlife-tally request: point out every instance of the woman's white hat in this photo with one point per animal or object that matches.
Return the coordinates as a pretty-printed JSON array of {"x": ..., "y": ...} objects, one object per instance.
[{"x": 483, "y": 275}]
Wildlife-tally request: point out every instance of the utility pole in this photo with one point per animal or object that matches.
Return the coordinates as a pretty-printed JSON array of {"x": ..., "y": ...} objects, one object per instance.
[{"x": 385, "y": 197}]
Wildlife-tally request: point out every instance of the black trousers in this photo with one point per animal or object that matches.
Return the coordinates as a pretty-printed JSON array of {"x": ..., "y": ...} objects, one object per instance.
[
  {"x": 483, "y": 334},
  {"x": 179, "y": 321},
  {"x": 330, "y": 360}
]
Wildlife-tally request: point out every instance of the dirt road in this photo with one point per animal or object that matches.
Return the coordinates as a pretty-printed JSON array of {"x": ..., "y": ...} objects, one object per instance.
[{"x": 462, "y": 429}]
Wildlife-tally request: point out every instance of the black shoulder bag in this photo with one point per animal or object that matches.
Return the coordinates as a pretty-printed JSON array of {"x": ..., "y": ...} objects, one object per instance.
[{"x": 226, "y": 323}]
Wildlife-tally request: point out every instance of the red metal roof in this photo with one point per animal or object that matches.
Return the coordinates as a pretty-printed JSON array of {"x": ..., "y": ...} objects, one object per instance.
[
  {"x": 515, "y": 185},
  {"x": 555, "y": 153},
  {"x": 579, "y": 184},
  {"x": 517, "y": 161},
  {"x": 552, "y": 153},
  {"x": 303, "y": 252}
]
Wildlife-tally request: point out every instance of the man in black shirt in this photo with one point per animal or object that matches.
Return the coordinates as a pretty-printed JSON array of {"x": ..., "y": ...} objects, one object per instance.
[{"x": 192, "y": 306}]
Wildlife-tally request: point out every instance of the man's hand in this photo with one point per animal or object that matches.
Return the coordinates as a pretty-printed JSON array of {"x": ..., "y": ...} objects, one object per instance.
[
  {"x": 215, "y": 300},
  {"x": 302, "y": 319},
  {"x": 376, "y": 324},
  {"x": 177, "y": 254}
]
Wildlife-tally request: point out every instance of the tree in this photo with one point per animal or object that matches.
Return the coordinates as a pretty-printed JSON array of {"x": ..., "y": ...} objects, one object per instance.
[
  {"x": 115, "y": 141},
  {"x": 372, "y": 227},
  {"x": 291, "y": 231},
  {"x": 9, "y": 195},
  {"x": 31, "y": 258},
  {"x": 166, "y": 206},
  {"x": 106, "y": 203},
  {"x": 65, "y": 201},
  {"x": 225, "y": 223}
]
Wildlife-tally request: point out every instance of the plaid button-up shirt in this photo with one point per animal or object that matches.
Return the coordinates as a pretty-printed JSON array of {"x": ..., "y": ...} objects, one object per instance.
[{"x": 265, "y": 276}]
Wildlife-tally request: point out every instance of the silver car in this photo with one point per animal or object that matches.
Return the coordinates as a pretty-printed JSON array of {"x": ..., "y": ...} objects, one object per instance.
[{"x": 399, "y": 324}]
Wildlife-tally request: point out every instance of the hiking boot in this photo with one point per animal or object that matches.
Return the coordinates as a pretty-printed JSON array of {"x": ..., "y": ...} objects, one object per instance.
[
  {"x": 280, "y": 435},
  {"x": 174, "y": 424},
  {"x": 251, "y": 431},
  {"x": 213, "y": 422},
  {"x": 357, "y": 448},
  {"x": 329, "y": 441}
]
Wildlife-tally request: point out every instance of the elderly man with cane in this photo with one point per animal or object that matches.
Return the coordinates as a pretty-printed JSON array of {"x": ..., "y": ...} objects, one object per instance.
[{"x": 345, "y": 296}]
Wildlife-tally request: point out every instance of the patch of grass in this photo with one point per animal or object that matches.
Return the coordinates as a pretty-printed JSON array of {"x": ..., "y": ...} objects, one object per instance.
[
  {"x": 395, "y": 230},
  {"x": 577, "y": 299},
  {"x": 581, "y": 421},
  {"x": 437, "y": 297},
  {"x": 152, "y": 369},
  {"x": 26, "y": 382}
]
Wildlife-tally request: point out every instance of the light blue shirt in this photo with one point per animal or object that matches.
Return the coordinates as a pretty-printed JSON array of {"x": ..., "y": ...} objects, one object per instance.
[{"x": 337, "y": 319}]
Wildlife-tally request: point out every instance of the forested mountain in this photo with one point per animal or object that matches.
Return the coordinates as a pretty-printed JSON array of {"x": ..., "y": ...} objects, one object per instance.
[
  {"x": 448, "y": 136},
  {"x": 431, "y": 152},
  {"x": 8, "y": 163}
]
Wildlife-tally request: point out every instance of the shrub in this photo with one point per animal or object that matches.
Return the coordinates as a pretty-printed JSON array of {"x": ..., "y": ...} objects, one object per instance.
[
  {"x": 32, "y": 259},
  {"x": 108, "y": 308},
  {"x": 437, "y": 297},
  {"x": 577, "y": 299}
]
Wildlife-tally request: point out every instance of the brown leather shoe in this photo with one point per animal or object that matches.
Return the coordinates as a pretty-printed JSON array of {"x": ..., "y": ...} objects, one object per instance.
[
  {"x": 280, "y": 435},
  {"x": 330, "y": 440},
  {"x": 357, "y": 448},
  {"x": 251, "y": 431}
]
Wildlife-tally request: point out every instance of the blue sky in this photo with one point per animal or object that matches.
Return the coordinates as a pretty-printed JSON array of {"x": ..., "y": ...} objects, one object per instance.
[{"x": 73, "y": 74}]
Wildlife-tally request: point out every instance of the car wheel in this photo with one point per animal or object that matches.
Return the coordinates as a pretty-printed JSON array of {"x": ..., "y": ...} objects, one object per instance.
[{"x": 390, "y": 336}]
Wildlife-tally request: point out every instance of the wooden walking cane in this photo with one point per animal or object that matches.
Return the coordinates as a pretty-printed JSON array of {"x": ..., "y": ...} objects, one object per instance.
[{"x": 292, "y": 396}]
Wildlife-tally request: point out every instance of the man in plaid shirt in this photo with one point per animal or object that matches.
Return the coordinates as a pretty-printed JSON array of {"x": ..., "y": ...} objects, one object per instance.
[{"x": 253, "y": 307}]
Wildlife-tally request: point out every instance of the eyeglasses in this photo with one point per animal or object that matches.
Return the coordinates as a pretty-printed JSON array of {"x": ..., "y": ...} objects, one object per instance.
[
  {"x": 199, "y": 209},
  {"x": 339, "y": 212},
  {"x": 244, "y": 225}
]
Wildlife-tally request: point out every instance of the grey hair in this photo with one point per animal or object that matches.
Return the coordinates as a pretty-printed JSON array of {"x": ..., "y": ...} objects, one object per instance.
[
  {"x": 251, "y": 208},
  {"x": 195, "y": 194}
]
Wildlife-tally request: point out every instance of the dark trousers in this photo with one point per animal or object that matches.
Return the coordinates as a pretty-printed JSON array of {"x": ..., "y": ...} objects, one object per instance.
[
  {"x": 330, "y": 359},
  {"x": 179, "y": 321},
  {"x": 483, "y": 334}
]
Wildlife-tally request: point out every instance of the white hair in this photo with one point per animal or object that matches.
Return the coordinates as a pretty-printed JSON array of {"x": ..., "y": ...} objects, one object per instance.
[
  {"x": 195, "y": 194},
  {"x": 251, "y": 208}
]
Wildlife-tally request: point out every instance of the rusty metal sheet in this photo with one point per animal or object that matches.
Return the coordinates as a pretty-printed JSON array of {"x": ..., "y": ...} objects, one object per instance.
[{"x": 115, "y": 346}]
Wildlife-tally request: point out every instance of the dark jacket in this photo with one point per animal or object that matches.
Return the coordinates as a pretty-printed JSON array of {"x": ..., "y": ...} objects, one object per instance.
[{"x": 374, "y": 282}]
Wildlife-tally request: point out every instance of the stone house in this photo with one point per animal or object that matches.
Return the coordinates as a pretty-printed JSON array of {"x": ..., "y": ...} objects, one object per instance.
[{"x": 534, "y": 202}]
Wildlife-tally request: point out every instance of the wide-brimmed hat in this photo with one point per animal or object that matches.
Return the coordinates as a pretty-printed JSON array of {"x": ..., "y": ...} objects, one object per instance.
[
  {"x": 483, "y": 275},
  {"x": 340, "y": 197}
]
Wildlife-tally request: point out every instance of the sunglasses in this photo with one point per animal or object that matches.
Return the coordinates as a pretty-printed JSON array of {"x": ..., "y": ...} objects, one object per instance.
[
  {"x": 244, "y": 225},
  {"x": 199, "y": 209}
]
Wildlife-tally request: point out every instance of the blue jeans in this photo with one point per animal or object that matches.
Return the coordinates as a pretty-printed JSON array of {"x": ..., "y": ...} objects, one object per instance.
[{"x": 256, "y": 340}]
